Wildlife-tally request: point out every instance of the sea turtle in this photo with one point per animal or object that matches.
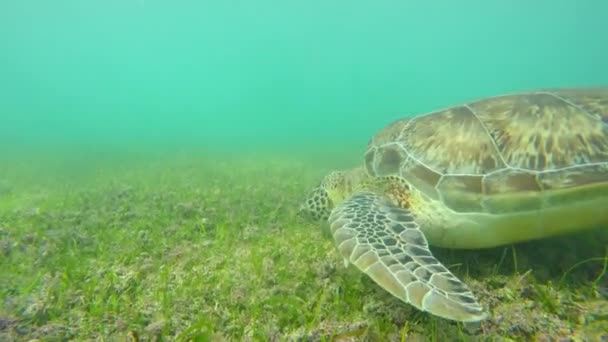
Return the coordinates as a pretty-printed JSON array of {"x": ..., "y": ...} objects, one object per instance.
[{"x": 494, "y": 171}]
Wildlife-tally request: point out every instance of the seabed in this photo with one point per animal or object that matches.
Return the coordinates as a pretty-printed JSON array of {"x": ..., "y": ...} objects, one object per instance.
[{"x": 208, "y": 247}]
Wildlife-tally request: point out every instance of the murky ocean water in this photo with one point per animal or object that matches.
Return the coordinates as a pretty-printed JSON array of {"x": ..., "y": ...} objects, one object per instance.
[{"x": 153, "y": 154}]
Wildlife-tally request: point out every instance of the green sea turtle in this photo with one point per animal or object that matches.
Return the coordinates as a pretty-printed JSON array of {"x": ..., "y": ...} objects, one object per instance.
[{"x": 494, "y": 171}]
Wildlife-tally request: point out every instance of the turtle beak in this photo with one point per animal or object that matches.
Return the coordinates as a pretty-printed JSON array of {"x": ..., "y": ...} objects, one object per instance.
[{"x": 303, "y": 212}]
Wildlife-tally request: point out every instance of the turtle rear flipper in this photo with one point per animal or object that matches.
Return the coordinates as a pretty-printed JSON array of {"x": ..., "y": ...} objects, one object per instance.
[{"x": 385, "y": 242}]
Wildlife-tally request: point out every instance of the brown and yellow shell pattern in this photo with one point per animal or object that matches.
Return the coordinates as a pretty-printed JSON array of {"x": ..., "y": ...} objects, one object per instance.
[{"x": 503, "y": 154}]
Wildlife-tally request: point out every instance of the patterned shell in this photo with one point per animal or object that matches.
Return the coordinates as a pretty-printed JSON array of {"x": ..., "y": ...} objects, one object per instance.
[{"x": 502, "y": 154}]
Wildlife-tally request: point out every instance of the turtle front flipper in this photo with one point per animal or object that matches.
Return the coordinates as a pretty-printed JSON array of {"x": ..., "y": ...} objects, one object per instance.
[{"x": 385, "y": 242}]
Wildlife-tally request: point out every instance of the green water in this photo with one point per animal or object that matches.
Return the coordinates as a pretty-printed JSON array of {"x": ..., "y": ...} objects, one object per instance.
[
  {"x": 153, "y": 155},
  {"x": 242, "y": 73}
]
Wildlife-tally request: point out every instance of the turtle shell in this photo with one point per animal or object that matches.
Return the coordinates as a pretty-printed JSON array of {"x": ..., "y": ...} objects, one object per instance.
[{"x": 503, "y": 154}]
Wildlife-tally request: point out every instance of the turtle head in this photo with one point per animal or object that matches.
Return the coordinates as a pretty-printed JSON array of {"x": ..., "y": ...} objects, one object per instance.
[
  {"x": 317, "y": 205},
  {"x": 333, "y": 190}
]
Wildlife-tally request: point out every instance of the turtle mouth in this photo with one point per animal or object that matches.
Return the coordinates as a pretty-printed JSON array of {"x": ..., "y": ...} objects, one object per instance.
[
  {"x": 302, "y": 210},
  {"x": 308, "y": 213}
]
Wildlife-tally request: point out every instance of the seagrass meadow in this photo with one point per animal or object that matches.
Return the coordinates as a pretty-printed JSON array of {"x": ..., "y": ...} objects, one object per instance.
[
  {"x": 201, "y": 246},
  {"x": 154, "y": 155}
]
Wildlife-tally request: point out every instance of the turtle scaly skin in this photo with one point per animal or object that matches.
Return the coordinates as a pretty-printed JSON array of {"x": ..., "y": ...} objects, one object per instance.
[{"x": 491, "y": 172}]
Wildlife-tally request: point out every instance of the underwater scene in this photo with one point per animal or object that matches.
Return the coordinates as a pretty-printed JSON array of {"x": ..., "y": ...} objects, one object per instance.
[{"x": 303, "y": 170}]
